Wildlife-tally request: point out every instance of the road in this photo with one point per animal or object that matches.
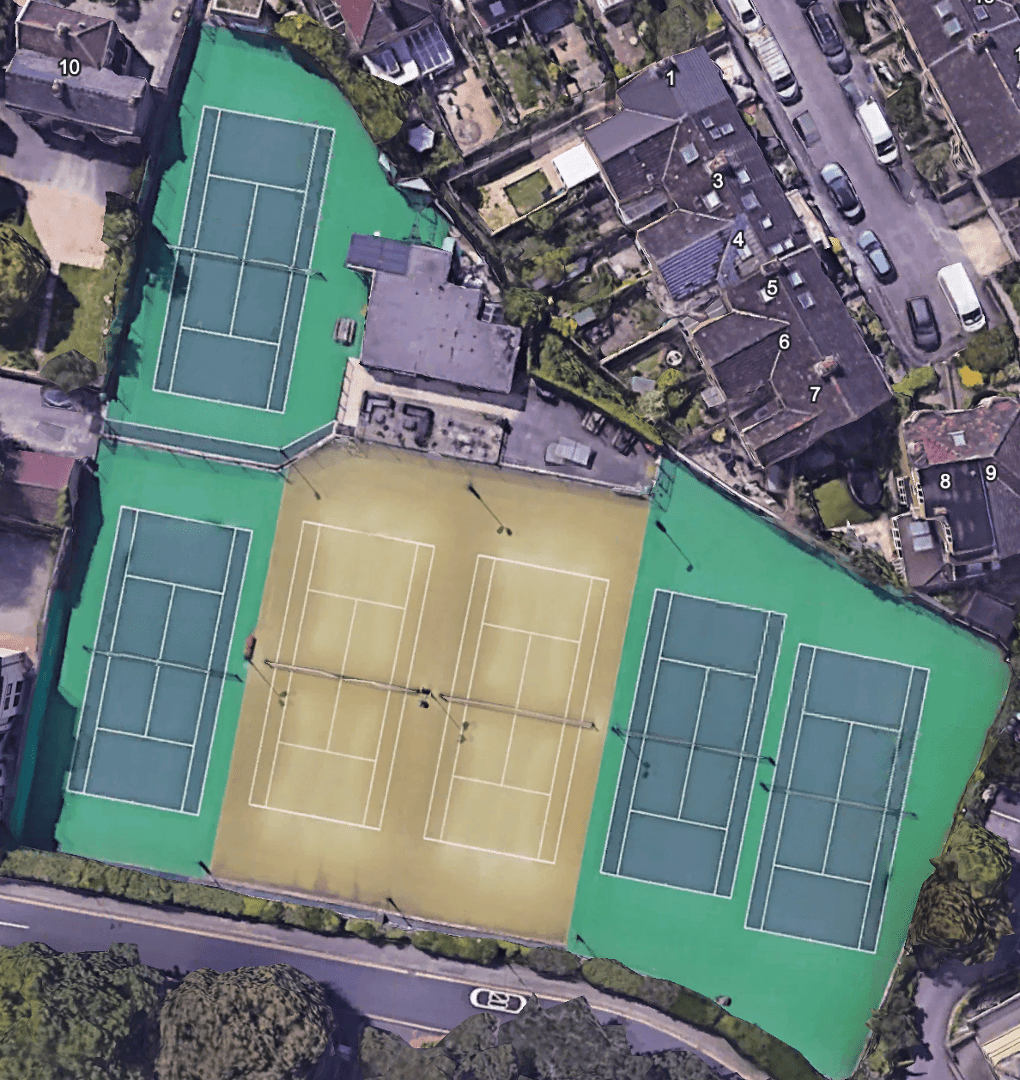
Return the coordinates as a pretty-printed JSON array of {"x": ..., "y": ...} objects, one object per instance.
[
  {"x": 402, "y": 990},
  {"x": 916, "y": 235},
  {"x": 24, "y": 417}
]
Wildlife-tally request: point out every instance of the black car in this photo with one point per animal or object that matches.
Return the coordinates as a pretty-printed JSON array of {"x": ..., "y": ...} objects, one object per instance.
[
  {"x": 923, "y": 327},
  {"x": 852, "y": 93},
  {"x": 827, "y": 36},
  {"x": 806, "y": 128},
  {"x": 842, "y": 192},
  {"x": 877, "y": 256}
]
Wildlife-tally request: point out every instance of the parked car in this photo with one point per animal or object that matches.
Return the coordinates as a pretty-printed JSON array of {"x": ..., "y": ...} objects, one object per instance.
[
  {"x": 55, "y": 398},
  {"x": 823, "y": 28},
  {"x": 877, "y": 256},
  {"x": 852, "y": 93},
  {"x": 504, "y": 1001},
  {"x": 923, "y": 327},
  {"x": 841, "y": 191},
  {"x": 804, "y": 125},
  {"x": 746, "y": 15}
]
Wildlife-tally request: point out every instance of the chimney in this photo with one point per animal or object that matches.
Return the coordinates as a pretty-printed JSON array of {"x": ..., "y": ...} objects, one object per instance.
[
  {"x": 58, "y": 89},
  {"x": 979, "y": 42},
  {"x": 64, "y": 33}
]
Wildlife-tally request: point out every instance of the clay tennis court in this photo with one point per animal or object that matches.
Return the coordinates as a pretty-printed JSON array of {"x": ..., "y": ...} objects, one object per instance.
[{"x": 430, "y": 721}]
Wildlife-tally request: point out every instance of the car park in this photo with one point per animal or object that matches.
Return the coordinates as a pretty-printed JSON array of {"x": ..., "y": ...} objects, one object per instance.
[
  {"x": 877, "y": 256},
  {"x": 805, "y": 126},
  {"x": 746, "y": 15},
  {"x": 842, "y": 192},
  {"x": 504, "y": 1001},
  {"x": 827, "y": 37},
  {"x": 923, "y": 327}
]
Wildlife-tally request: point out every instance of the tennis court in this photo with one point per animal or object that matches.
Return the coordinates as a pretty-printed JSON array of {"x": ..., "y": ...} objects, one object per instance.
[
  {"x": 836, "y": 801},
  {"x": 693, "y": 742},
  {"x": 243, "y": 258},
  {"x": 158, "y": 660}
]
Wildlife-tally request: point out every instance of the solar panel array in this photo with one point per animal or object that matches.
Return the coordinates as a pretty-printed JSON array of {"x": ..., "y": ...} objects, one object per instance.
[
  {"x": 378, "y": 253},
  {"x": 693, "y": 268},
  {"x": 429, "y": 49}
]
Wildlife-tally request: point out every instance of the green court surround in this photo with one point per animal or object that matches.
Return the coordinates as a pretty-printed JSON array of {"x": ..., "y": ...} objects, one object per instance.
[{"x": 817, "y": 997}]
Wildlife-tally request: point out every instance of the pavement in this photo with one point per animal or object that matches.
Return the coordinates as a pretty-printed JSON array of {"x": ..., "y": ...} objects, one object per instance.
[
  {"x": 24, "y": 417},
  {"x": 402, "y": 990},
  {"x": 27, "y": 563},
  {"x": 912, "y": 225}
]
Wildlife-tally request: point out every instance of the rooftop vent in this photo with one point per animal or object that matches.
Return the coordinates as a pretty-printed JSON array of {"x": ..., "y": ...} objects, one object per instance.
[
  {"x": 707, "y": 123},
  {"x": 825, "y": 367},
  {"x": 981, "y": 13},
  {"x": 743, "y": 176},
  {"x": 952, "y": 27},
  {"x": 977, "y": 43},
  {"x": 689, "y": 152},
  {"x": 727, "y": 129},
  {"x": 806, "y": 300},
  {"x": 63, "y": 31},
  {"x": 766, "y": 222},
  {"x": 711, "y": 201},
  {"x": 958, "y": 437},
  {"x": 749, "y": 201},
  {"x": 796, "y": 278},
  {"x": 57, "y": 87}
]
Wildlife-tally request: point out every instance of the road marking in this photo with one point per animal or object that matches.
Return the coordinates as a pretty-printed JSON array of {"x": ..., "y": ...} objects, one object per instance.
[
  {"x": 16, "y": 925},
  {"x": 620, "y": 1009},
  {"x": 409, "y": 1024}
]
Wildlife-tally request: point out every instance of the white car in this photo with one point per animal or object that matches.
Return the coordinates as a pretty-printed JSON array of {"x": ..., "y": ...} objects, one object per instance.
[
  {"x": 746, "y": 15},
  {"x": 504, "y": 1001}
]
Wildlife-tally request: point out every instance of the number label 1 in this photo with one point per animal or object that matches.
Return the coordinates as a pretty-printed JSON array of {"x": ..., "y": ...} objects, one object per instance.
[
  {"x": 991, "y": 473},
  {"x": 945, "y": 481},
  {"x": 671, "y": 77},
  {"x": 69, "y": 65}
]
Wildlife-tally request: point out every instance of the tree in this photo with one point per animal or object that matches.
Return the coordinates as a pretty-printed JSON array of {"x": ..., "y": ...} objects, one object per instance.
[
  {"x": 77, "y": 1016},
  {"x": 70, "y": 371},
  {"x": 523, "y": 307},
  {"x": 23, "y": 270},
  {"x": 990, "y": 349},
  {"x": 268, "y": 1023}
]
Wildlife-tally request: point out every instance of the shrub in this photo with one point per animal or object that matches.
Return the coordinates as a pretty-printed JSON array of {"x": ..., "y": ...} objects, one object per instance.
[
  {"x": 70, "y": 371},
  {"x": 472, "y": 950},
  {"x": 919, "y": 380},
  {"x": 523, "y": 307},
  {"x": 512, "y": 951},
  {"x": 668, "y": 379},
  {"x": 363, "y": 928},
  {"x": 766, "y": 1051},
  {"x": 933, "y": 162},
  {"x": 904, "y": 108},
  {"x": 23, "y": 270},
  {"x": 557, "y": 963},
  {"x": 316, "y": 919},
  {"x": 970, "y": 378},
  {"x": 990, "y": 349}
]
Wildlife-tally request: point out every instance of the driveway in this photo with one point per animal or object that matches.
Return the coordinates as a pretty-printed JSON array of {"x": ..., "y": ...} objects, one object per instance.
[
  {"x": 25, "y": 418},
  {"x": 27, "y": 563},
  {"x": 912, "y": 228}
]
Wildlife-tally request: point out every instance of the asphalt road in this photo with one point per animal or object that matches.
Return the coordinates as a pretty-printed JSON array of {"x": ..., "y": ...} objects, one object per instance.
[
  {"x": 24, "y": 417},
  {"x": 367, "y": 981},
  {"x": 915, "y": 234}
]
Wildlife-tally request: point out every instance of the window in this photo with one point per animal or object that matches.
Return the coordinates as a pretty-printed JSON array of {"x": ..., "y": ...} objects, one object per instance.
[
  {"x": 766, "y": 222},
  {"x": 749, "y": 201},
  {"x": 806, "y": 300},
  {"x": 796, "y": 278},
  {"x": 689, "y": 153},
  {"x": 743, "y": 176},
  {"x": 958, "y": 437}
]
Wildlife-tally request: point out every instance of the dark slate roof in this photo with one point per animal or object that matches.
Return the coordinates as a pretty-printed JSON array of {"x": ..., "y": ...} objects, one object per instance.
[
  {"x": 688, "y": 249},
  {"x": 980, "y": 88},
  {"x": 418, "y": 324},
  {"x": 694, "y": 86},
  {"x": 923, "y": 557},
  {"x": 378, "y": 253},
  {"x": 88, "y": 37},
  {"x": 94, "y": 99},
  {"x": 625, "y": 130},
  {"x": 966, "y": 504},
  {"x": 991, "y": 614},
  {"x": 929, "y": 436},
  {"x": 728, "y": 336}
]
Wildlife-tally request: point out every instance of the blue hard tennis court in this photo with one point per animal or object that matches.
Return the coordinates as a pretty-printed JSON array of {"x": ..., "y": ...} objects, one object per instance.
[
  {"x": 693, "y": 743},
  {"x": 243, "y": 259},
  {"x": 837, "y": 798},
  {"x": 159, "y": 660}
]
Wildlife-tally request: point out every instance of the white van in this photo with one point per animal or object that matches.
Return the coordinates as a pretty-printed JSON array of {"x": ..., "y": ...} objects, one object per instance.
[
  {"x": 746, "y": 15},
  {"x": 877, "y": 131},
  {"x": 775, "y": 65},
  {"x": 960, "y": 293}
]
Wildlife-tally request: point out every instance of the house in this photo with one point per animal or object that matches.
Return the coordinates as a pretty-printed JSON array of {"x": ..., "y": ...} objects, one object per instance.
[
  {"x": 963, "y": 491},
  {"x": 969, "y": 52},
  {"x": 735, "y": 264},
  {"x": 399, "y": 40},
  {"x": 15, "y": 669},
  {"x": 422, "y": 331},
  {"x": 75, "y": 75},
  {"x": 501, "y": 19},
  {"x": 38, "y": 489}
]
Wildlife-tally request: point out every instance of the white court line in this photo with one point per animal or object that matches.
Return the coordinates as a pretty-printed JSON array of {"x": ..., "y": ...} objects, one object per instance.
[
  {"x": 229, "y": 337},
  {"x": 823, "y": 874},
  {"x": 191, "y": 272},
  {"x": 253, "y": 183},
  {"x": 290, "y": 674},
  {"x": 694, "y": 743},
  {"x": 173, "y": 584},
  {"x": 563, "y": 733},
  {"x": 269, "y": 119},
  {"x": 885, "y": 807},
  {"x": 392, "y": 678},
  {"x": 839, "y": 791},
  {"x": 244, "y": 254},
  {"x": 355, "y": 599},
  {"x": 272, "y": 690},
  {"x": 456, "y": 671},
  {"x": 861, "y": 656},
  {"x": 471, "y": 682},
  {"x": 793, "y": 763},
  {"x": 644, "y": 729},
  {"x": 513, "y": 720},
  {"x": 162, "y": 646},
  {"x": 113, "y": 639},
  {"x": 505, "y": 787},
  {"x": 858, "y": 723},
  {"x": 343, "y": 667},
  {"x": 707, "y": 667},
  {"x": 226, "y": 660},
  {"x": 681, "y": 820},
  {"x": 534, "y": 633},
  {"x": 144, "y": 738},
  {"x": 319, "y": 750}
]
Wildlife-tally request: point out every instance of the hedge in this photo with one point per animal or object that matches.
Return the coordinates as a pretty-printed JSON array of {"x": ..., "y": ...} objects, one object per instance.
[{"x": 765, "y": 1051}]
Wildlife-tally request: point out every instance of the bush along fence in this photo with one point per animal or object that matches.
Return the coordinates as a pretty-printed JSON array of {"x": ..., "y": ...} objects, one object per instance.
[{"x": 756, "y": 1046}]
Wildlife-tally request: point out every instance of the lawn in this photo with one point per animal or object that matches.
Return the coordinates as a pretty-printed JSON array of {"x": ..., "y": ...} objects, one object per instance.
[
  {"x": 82, "y": 308},
  {"x": 836, "y": 506},
  {"x": 530, "y": 192}
]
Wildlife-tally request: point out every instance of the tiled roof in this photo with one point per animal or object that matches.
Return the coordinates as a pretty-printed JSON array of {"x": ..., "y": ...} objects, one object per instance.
[{"x": 937, "y": 438}]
